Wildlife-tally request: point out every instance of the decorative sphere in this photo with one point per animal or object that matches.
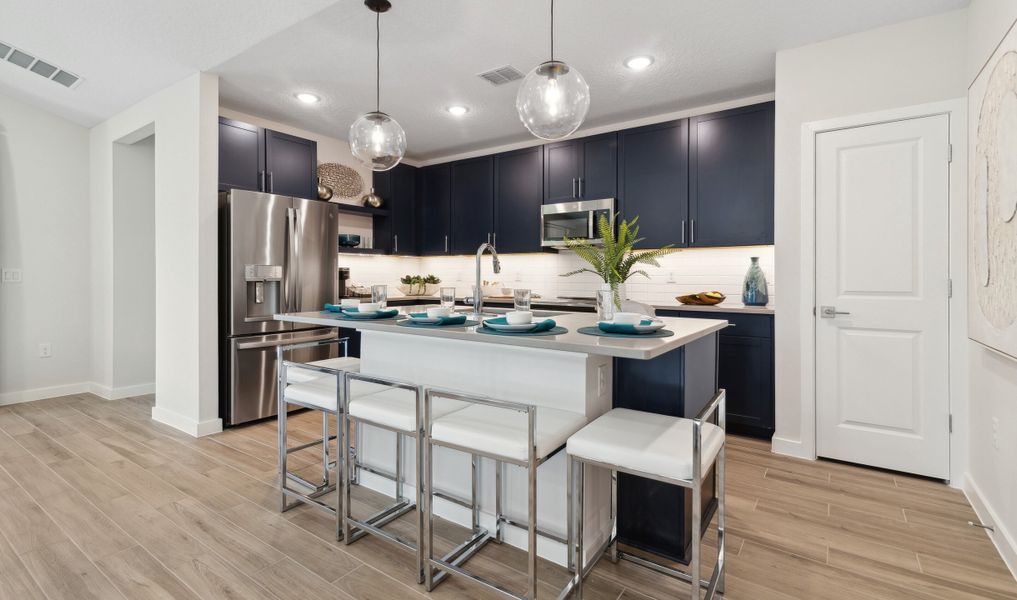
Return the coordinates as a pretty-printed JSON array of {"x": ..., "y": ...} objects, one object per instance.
[
  {"x": 378, "y": 140},
  {"x": 553, "y": 100}
]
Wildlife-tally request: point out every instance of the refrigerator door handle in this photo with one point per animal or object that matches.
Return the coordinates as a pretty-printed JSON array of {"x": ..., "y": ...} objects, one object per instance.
[
  {"x": 296, "y": 339},
  {"x": 298, "y": 275},
  {"x": 290, "y": 267}
]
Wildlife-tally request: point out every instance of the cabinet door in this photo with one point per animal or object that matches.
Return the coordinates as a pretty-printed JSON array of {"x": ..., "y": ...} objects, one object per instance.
[
  {"x": 404, "y": 206},
  {"x": 241, "y": 155},
  {"x": 745, "y": 370},
  {"x": 562, "y": 169},
  {"x": 435, "y": 210},
  {"x": 291, "y": 164},
  {"x": 472, "y": 203},
  {"x": 600, "y": 167},
  {"x": 731, "y": 177},
  {"x": 653, "y": 185},
  {"x": 518, "y": 196}
]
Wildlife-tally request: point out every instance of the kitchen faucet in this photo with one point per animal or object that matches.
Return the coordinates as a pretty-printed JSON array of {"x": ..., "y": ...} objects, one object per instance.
[{"x": 478, "y": 293}]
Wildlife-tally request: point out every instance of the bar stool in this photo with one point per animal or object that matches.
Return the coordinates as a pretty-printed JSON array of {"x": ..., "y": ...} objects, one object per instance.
[
  {"x": 397, "y": 408},
  {"x": 669, "y": 449},
  {"x": 508, "y": 433},
  {"x": 304, "y": 375}
]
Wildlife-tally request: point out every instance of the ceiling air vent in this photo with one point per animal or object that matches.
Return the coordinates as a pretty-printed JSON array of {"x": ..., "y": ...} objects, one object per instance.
[
  {"x": 501, "y": 75},
  {"x": 38, "y": 66}
]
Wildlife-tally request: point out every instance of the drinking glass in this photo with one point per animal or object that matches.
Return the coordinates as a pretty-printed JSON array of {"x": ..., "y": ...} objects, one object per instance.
[
  {"x": 605, "y": 305},
  {"x": 448, "y": 297},
  {"x": 379, "y": 294},
  {"x": 521, "y": 299}
]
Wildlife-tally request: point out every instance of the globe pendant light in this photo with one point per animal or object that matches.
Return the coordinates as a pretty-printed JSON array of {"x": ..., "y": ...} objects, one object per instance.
[
  {"x": 376, "y": 138},
  {"x": 553, "y": 99}
]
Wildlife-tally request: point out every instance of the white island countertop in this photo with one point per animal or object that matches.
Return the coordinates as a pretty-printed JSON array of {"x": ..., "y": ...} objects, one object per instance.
[{"x": 685, "y": 331}]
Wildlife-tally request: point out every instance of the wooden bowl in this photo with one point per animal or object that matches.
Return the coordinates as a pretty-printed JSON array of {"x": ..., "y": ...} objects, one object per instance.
[{"x": 701, "y": 299}]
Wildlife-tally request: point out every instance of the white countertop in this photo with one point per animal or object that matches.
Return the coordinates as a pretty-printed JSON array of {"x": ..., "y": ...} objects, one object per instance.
[
  {"x": 686, "y": 331},
  {"x": 564, "y": 303}
]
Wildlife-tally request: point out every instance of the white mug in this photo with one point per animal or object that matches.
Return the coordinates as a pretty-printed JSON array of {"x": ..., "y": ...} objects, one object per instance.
[
  {"x": 627, "y": 318},
  {"x": 519, "y": 317},
  {"x": 369, "y": 307},
  {"x": 438, "y": 311},
  {"x": 349, "y": 302}
]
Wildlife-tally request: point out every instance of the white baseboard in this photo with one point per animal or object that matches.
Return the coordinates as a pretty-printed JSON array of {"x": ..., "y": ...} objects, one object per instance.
[
  {"x": 186, "y": 424},
  {"x": 46, "y": 392},
  {"x": 129, "y": 391},
  {"x": 1001, "y": 537},
  {"x": 788, "y": 447}
]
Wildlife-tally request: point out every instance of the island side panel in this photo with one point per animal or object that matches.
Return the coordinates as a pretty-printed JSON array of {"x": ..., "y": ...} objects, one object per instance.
[{"x": 654, "y": 516}]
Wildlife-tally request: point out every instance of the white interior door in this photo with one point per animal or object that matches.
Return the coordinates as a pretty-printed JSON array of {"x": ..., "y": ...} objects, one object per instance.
[{"x": 882, "y": 330}]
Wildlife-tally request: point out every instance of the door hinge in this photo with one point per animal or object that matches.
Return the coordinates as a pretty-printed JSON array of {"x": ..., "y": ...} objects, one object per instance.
[
  {"x": 951, "y": 423},
  {"x": 949, "y": 288},
  {"x": 949, "y": 153}
]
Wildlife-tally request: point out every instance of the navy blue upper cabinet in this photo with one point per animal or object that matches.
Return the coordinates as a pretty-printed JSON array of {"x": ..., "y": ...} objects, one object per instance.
[
  {"x": 731, "y": 177},
  {"x": 472, "y": 203},
  {"x": 291, "y": 165},
  {"x": 435, "y": 208},
  {"x": 518, "y": 194},
  {"x": 653, "y": 174},
  {"x": 585, "y": 168},
  {"x": 398, "y": 188},
  {"x": 241, "y": 155},
  {"x": 262, "y": 160}
]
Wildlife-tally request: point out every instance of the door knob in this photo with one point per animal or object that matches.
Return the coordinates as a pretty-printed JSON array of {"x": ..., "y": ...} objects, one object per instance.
[{"x": 831, "y": 312}]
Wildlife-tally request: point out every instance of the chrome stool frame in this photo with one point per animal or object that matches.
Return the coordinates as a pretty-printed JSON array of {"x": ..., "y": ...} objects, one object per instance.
[
  {"x": 576, "y": 471},
  {"x": 353, "y": 529},
  {"x": 326, "y": 486},
  {"x": 452, "y": 562}
]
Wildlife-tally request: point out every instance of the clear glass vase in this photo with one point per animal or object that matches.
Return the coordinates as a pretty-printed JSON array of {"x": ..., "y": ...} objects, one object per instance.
[{"x": 754, "y": 292}]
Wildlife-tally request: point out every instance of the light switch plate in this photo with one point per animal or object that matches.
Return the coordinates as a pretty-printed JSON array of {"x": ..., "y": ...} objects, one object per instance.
[{"x": 12, "y": 275}]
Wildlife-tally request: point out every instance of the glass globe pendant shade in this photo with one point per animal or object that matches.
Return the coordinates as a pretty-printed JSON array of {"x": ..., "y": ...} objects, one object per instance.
[
  {"x": 553, "y": 100},
  {"x": 378, "y": 140}
]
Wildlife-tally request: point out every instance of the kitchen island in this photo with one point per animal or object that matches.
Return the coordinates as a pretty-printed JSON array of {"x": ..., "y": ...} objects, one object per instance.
[{"x": 589, "y": 375}]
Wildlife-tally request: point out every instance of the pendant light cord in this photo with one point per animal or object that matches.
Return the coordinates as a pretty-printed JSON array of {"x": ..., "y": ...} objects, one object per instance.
[
  {"x": 552, "y": 30},
  {"x": 377, "y": 61}
]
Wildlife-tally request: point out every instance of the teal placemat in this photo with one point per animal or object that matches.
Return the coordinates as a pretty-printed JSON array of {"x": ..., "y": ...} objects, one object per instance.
[
  {"x": 553, "y": 331},
  {"x": 660, "y": 333},
  {"x": 405, "y": 323},
  {"x": 385, "y": 316}
]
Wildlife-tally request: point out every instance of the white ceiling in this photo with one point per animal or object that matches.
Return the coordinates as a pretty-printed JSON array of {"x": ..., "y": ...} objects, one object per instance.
[
  {"x": 266, "y": 50},
  {"x": 126, "y": 50}
]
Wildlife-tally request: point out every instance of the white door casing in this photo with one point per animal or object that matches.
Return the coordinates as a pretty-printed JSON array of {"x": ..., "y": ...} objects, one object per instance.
[{"x": 882, "y": 258}]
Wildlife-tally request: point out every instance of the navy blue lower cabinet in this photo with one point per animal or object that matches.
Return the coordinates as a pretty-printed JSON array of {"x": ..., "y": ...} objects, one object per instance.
[
  {"x": 652, "y": 515},
  {"x": 745, "y": 370}
]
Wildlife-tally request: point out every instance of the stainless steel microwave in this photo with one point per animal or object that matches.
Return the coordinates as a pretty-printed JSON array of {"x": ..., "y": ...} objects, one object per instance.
[{"x": 573, "y": 220}]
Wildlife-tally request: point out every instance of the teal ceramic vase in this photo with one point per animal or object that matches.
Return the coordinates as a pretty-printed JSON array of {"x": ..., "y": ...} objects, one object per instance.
[{"x": 754, "y": 289}]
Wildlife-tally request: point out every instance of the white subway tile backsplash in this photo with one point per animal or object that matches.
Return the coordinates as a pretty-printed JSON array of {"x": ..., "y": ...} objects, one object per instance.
[{"x": 684, "y": 272}]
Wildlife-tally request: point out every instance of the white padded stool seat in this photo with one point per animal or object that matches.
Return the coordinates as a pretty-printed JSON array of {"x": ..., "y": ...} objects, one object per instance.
[
  {"x": 645, "y": 442},
  {"x": 320, "y": 392},
  {"x": 343, "y": 363},
  {"x": 503, "y": 432},
  {"x": 397, "y": 408}
]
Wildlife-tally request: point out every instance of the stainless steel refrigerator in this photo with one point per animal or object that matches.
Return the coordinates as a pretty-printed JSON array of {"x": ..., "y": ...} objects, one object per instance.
[{"x": 277, "y": 254}]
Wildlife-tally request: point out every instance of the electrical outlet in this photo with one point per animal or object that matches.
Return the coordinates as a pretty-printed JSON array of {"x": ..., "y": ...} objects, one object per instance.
[
  {"x": 995, "y": 432},
  {"x": 12, "y": 275},
  {"x": 601, "y": 380},
  {"x": 45, "y": 350},
  {"x": 670, "y": 277}
]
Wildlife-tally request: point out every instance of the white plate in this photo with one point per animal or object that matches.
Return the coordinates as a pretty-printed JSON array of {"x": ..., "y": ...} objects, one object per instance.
[
  {"x": 507, "y": 327},
  {"x": 655, "y": 326},
  {"x": 424, "y": 320}
]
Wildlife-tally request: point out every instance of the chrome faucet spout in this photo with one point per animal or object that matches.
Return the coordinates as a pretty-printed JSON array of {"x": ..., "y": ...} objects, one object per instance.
[{"x": 478, "y": 294}]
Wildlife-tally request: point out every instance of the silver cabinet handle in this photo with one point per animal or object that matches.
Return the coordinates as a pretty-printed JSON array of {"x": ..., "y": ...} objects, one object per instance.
[
  {"x": 574, "y": 194},
  {"x": 692, "y": 231},
  {"x": 395, "y": 243},
  {"x": 831, "y": 312},
  {"x": 683, "y": 231},
  {"x": 580, "y": 188},
  {"x": 271, "y": 186},
  {"x": 494, "y": 239},
  {"x": 261, "y": 180},
  {"x": 446, "y": 244}
]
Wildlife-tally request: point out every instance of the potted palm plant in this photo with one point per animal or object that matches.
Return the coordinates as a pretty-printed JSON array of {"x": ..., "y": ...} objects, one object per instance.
[{"x": 616, "y": 260}]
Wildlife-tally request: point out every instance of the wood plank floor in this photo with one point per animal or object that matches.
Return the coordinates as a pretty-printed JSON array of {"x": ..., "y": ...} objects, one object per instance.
[{"x": 99, "y": 501}]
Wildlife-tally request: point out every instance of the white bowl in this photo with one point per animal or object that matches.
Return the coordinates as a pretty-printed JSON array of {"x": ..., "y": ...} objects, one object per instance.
[
  {"x": 367, "y": 308},
  {"x": 627, "y": 318},
  {"x": 349, "y": 302},
  {"x": 438, "y": 312},
  {"x": 519, "y": 317}
]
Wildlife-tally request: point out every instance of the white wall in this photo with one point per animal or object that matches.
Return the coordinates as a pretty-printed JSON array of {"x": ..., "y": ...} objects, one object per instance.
[
  {"x": 134, "y": 268},
  {"x": 991, "y": 484},
  {"x": 184, "y": 119},
  {"x": 44, "y": 232},
  {"x": 911, "y": 63}
]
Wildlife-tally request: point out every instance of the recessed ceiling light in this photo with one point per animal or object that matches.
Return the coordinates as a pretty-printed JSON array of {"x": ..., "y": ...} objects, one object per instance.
[
  {"x": 457, "y": 110},
  {"x": 638, "y": 63},
  {"x": 308, "y": 98}
]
